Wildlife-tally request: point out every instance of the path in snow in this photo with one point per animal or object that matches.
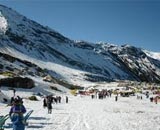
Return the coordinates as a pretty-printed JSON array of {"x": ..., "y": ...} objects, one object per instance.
[{"x": 84, "y": 113}]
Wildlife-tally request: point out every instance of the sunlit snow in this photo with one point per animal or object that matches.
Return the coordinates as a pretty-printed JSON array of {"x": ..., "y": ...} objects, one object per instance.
[
  {"x": 84, "y": 113},
  {"x": 3, "y": 24}
]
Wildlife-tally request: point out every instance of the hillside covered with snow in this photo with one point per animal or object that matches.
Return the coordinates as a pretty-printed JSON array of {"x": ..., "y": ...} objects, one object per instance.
[{"x": 30, "y": 49}]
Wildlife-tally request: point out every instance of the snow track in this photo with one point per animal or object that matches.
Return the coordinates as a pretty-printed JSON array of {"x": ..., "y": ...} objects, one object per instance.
[
  {"x": 84, "y": 113},
  {"x": 87, "y": 114}
]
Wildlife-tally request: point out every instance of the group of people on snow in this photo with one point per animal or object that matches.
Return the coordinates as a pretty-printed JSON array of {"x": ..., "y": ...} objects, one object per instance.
[
  {"x": 17, "y": 109},
  {"x": 49, "y": 100},
  {"x": 102, "y": 94},
  {"x": 108, "y": 93}
]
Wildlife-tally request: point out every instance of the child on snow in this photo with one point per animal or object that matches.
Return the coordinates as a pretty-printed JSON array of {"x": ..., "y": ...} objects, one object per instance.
[{"x": 16, "y": 114}]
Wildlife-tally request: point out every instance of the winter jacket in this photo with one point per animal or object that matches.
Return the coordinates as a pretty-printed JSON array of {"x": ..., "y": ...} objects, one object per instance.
[
  {"x": 17, "y": 109},
  {"x": 16, "y": 115}
]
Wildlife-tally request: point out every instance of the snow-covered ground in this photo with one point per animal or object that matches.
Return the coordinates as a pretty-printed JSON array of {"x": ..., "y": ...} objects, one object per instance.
[
  {"x": 3, "y": 24},
  {"x": 84, "y": 113}
]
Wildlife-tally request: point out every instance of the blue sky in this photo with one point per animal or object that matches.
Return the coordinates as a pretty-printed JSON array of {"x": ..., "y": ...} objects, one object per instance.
[{"x": 134, "y": 22}]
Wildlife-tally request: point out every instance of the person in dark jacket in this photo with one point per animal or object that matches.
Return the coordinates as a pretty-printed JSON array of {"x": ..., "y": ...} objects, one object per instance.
[
  {"x": 49, "y": 104},
  {"x": 116, "y": 98},
  {"x": 66, "y": 99},
  {"x": 16, "y": 115},
  {"x": 45, "y": 102}
]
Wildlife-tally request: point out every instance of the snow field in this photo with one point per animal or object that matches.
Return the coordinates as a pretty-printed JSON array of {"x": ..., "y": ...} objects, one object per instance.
[{"x": 84, "y": 113}]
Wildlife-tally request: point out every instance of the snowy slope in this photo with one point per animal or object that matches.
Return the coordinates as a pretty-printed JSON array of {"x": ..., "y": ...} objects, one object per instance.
[
  {"x": 141, "y": 65},
  {"x": 3, "y": 24},
  {"x": 29, "y": 49},
  {"x": 154, "y": 55},
  {"x": 76, "y": 62}
]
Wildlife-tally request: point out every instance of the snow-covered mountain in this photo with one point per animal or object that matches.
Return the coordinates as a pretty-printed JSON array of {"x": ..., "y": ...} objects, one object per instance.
[
  {"x": 154, "y": 55},
  {"x": 28, "y": 48}
]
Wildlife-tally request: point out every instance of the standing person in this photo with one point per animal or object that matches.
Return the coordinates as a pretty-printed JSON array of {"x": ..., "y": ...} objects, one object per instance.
[
  {"x": 49, "y": 104},
  {"x": 92, "y": 96},
  {"x": 59, "y": 99},
  {"x": 116, "y": 98},
  {"x": 16, "y": 115},
  {"x": 66, "y": 99},
  {"x": 45, "y": 102},
  {"x": 156, "y": 100}
]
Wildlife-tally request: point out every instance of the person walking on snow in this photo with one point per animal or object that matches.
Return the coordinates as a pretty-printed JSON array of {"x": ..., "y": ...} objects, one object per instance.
[
  {"x": 49, "y": 104},
  {"x": 16, "y": 115},
  {"x": 116, "y": 98},
  {"x": 66, "y": 99},
  {"x": 45, "y": 102}
]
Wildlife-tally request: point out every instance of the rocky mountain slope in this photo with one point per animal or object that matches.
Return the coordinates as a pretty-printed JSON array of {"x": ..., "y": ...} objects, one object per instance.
[{"x": 28, "y": 48}]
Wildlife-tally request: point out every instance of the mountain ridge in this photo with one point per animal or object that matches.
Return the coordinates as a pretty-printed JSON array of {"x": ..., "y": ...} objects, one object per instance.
[{"x": 73, "y": 61}]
